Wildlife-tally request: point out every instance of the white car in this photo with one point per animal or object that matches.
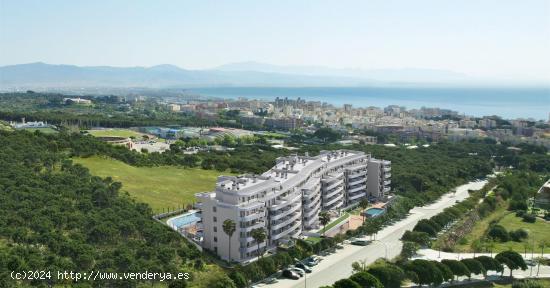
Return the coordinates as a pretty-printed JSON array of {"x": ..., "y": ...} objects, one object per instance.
[{"x": 297, "y": 270}]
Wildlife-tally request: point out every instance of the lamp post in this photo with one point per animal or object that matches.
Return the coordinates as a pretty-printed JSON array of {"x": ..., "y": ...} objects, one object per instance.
[
  {"x": 385, "y": 248},
  {"x": 305, "y": 272}
]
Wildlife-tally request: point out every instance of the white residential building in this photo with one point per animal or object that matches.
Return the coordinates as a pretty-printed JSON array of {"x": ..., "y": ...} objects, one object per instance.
[{"x": 285, "y": 201}]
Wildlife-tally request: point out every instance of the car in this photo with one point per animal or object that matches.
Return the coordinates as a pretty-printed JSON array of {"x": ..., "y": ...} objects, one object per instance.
[
  {"x": 359, "y": 242},
  {"x": 270, "y": 280},
  {"x": 303, "y": 267},
  {"x": 290, "y": 274},
  {"x": 312, "y": 261},
  {"x": 297, "y": 270}
]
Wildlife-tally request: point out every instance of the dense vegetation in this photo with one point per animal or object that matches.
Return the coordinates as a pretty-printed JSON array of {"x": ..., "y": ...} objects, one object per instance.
[{"x": 56, "y": 216}]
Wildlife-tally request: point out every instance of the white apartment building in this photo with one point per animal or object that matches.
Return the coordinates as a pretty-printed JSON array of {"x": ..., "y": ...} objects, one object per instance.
[{"x": 286, "y": 200}]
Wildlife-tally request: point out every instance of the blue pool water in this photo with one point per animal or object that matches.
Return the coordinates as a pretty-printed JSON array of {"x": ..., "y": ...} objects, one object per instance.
[
  {"x": 373, "y": 212},
  {"x": 185, "y": 219}
]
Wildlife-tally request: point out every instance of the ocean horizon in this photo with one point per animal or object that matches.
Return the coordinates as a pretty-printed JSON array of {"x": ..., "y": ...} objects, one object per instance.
[{"x": 508, "y": 103}]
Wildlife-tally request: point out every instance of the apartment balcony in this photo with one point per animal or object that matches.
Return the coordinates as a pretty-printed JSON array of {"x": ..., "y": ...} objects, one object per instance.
[
  {"x": 275, "y": 235},
  {"x": 386, "y": 169},
  {"x": 333, "y": 200},
  {"x": 358, "y": 181},
  {"x": 309, "y": 201},
  {"x": 252, "y": 248},
  {"x": 314, "y": 210},
  {"x": 283, "y": 213},
  {"x": 334, "y": 184},
  {"x": 387, "y": 175},
  {"x": 356, "y": 188},
  {"x": 250, "y": 227},
  {"x": 352, "y": 197},
  {"x": 253, "y": 216},
  {"x": 286, "y": 202},
  {"x": 357, "y": 174},
  {"x": 335, "y": 205},
  {"x": 310, "y": 222},
  {"x": 334, "y": 192},
  {"x": 387, "y": 182},
  {"x": 283, "y": 222},
  {"x": 386, "y": 190}
]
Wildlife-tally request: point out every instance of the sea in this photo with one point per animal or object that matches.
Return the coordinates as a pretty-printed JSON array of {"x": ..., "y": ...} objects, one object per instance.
[{"x": 508, "y": 103}]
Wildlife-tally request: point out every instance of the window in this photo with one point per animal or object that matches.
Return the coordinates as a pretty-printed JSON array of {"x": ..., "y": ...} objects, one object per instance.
[
  {"x": 215, "y": 239},
  {"x": 216, "y": 249},
  {"x": 214, "y": 209},
  {"x": 215, "y": 219},
  {"x": 215, "y": 229}
]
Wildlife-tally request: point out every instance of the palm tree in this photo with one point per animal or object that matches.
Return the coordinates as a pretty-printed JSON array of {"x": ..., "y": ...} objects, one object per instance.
[
  {"x": 363, "y": 204},
  {"x": 259, "y": 235},
  {"x": 324, "y": 218},
  {"x": 229, "y": 228}
]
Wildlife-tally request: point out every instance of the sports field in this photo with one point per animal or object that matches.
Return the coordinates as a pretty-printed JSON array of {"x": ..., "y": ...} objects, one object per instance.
[
  {"x": 161, "y": 187},
  {"x": 115, "y": 132}
]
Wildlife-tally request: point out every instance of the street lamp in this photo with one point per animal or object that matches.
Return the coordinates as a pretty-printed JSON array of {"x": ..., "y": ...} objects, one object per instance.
[{"x": 305, "y": 272}]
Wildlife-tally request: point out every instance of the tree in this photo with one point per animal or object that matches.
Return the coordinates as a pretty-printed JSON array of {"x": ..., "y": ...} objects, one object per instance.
[
  {"x": 389, "y": 274},
  {"x": 445, "y": 271},
  {"x": 238, "y": 279},
  {"x": 489, "y": 264},
  {"x": 498, "y": 232},
  {"x": 409, "y": 249},
  {"x": 259, "y": 236},
  {"x": 346, "y": 283},
  {"x": 229, "y": 227},
  {"x": 363, "y": 204},
  {"x": 366, "y": 280},
  {"x": 458, "y": 268},
  {"x": 427, "y": 272},
  {"x": 474, "y": 266},
  {"x": 512, "y": 260},
  {"x": 421, "y": 238},
  {"x": 324, "y": 218}
]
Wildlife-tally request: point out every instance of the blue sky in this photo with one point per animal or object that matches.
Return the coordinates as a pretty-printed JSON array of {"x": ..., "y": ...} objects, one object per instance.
[{"x": 498, "y": 38}]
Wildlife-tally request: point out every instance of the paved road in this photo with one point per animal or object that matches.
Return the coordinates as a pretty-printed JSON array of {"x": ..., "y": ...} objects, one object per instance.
[{"x": 338, "y": 265}]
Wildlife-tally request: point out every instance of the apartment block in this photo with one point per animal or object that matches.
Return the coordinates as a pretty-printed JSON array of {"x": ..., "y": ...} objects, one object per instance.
[
  {"x": 285, "y": 201},
  {"x": 378, "y": 186}
]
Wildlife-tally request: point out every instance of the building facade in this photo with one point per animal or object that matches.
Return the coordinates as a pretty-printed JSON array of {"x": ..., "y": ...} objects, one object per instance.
[{"x": 285, "y": 200}]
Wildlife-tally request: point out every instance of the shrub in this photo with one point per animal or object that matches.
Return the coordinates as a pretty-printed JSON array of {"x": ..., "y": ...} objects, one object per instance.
[
  {"x": 529, "y": 218},
  {"x": 365, "y": 279},
  {"x": 520, "y": 213},
  {"x": 518, "y": 235},
  {"x": 499, "y": 233}
]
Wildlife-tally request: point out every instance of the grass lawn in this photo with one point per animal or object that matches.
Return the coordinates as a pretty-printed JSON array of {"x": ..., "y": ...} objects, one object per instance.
[
  {"x": 544, "y": 282},
  {"x": 538, "y": 231},
  {"x": 333, "y": 223},
  {"x": 115, "y": 133},
  {"x": 160, "y": 187},
  {"x": 313, "y": 240}
]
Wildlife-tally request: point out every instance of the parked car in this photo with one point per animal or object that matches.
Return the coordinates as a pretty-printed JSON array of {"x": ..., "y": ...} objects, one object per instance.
[
  {"x": 297, "y": 270},
  {"x": 312, "y": 261},
  {"x": 270, "y": 280},
  {"x": 303, "y": 267},
  {"x": 360, "y": 242},
  {"x": 290, "y": 274}
]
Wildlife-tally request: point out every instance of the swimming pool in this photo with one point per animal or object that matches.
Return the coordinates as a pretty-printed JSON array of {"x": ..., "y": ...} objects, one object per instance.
[
  {"x": 184, "y": 220},
  {"x": 374, "y": 212}
]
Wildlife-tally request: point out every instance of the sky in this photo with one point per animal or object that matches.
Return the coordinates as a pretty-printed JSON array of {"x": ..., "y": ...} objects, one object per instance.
[{"x": 505, "y": 39}]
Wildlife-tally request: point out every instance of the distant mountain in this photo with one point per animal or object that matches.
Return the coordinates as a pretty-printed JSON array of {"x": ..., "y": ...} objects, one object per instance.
[
  {"x": 406, "y": 75},
  {"x": 42, "y": 75}
]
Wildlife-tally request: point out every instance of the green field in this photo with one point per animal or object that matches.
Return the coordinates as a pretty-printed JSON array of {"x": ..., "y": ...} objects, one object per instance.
[
  {"x": 538, "y": 231},
  {"x": 115, "y": 133},
  {"x": 43, "y": 130},
  {"x": 161, "y": 187}
]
